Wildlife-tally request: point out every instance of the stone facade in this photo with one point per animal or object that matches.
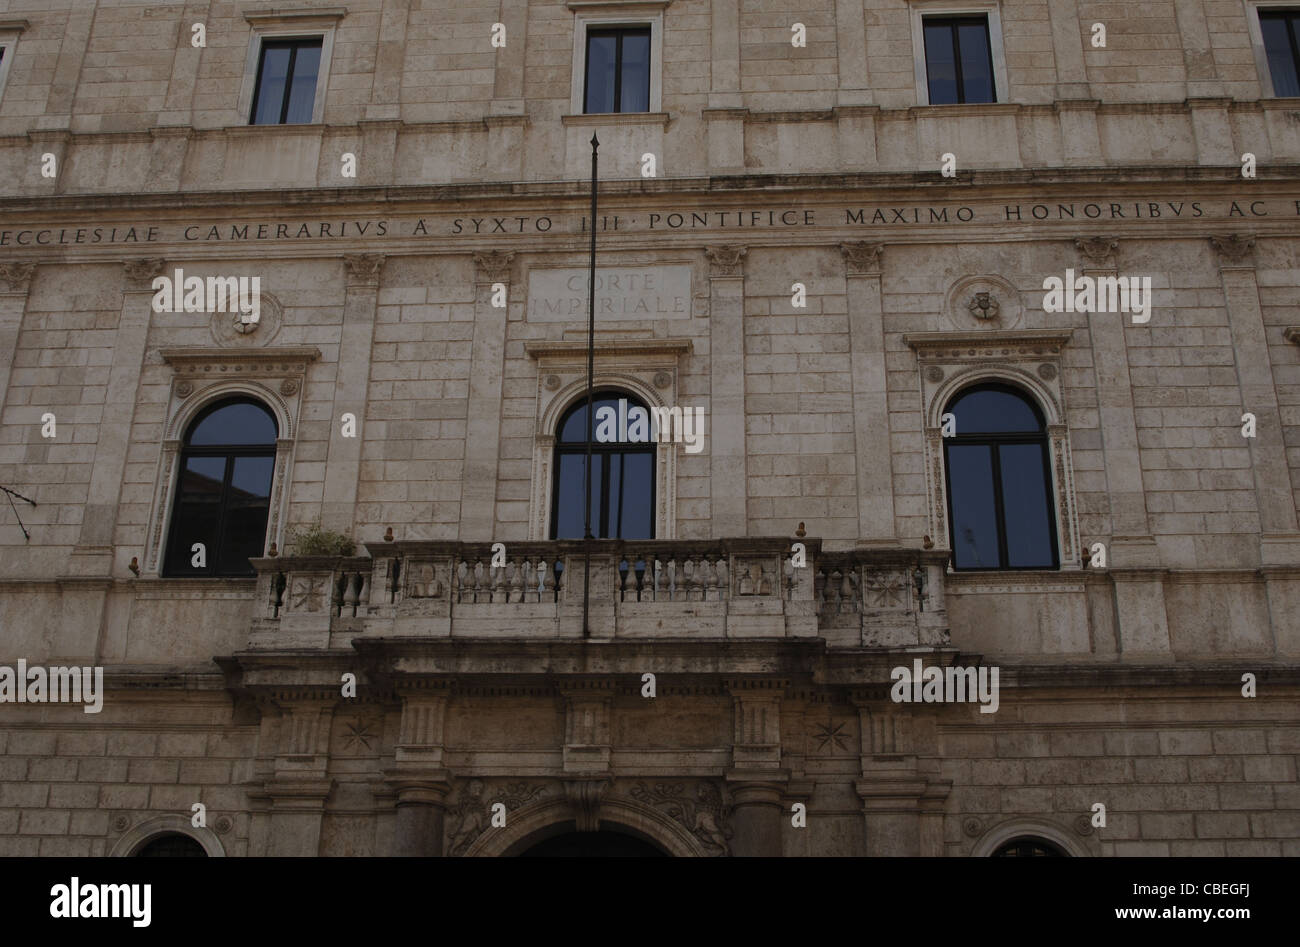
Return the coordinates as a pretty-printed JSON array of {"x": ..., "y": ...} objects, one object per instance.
[{"x": 1120, "y": 684}]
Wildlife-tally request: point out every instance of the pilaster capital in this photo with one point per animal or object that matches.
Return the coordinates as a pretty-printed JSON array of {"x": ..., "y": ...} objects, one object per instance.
[
  {"x": 17, "y": 276},
  {"x": 1237, "y": 249},
  {"x": 728, "y": 261},
  {"x": 862, "y": 258},
  {"x": 363, "y": 268},
  {"x": 140, "y": 273},
  {"x": 1100, "y": 251},
  {"x": 493, "y": 266}
]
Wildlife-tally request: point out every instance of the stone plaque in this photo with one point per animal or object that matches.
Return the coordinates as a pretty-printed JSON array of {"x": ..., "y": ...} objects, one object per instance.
[{"x": 622, "y": 293}]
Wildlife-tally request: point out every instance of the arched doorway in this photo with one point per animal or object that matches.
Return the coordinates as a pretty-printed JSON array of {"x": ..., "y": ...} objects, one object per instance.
[{"x": 593, "y": 845}]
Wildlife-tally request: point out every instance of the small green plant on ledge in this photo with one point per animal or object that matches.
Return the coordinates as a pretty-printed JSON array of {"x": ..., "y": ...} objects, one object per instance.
[{"x": 316, "y": 540}]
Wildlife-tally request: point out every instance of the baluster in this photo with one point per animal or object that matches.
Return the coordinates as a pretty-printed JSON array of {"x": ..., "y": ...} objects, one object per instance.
[
  {"x": 724, "y": 578},
  {"x": 461, "y": 576},
  {"x": 541, "y": 580},
  {"x": 695, "y": 578},
  {"x": 499, "y": 584},
  {"x": 819, "y": 590},
  {"x": 672, "y": 579},
  {"x": 629, "y": 580},
  {"x": 558, "y": 583},
  {"x": 654, "y": 569},
  {"x": 336, "y": 597},
  {"x": 278, "y": 584},
  {"x": 363, "y": 596},
  {"x": 710, "y": 580},
  {"x": 517, "y": 568},
  {"x": 480, "y": 581},
  {"x": 848, "y": 600},
  {"x": 351, "y": 586},
  {"x": 788, "y": 575}
]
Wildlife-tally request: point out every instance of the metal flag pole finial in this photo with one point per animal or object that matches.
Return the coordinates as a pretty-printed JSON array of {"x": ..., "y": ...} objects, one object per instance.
[{"x": 591, "y": 358}]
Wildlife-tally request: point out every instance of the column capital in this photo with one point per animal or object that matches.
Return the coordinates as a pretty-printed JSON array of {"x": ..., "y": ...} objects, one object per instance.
[
  {"x": 493, "y": 266},
  {"x": 363, "y": 268},
  {"x": 140, "y": 273},
  {"x": 1100, "y": 251},
  {"x": 728, "y": 261},
  {"x": 18, "y": 276},
  {"x": 862, "y": 258},
  {"x": 1234, "y": 250}
]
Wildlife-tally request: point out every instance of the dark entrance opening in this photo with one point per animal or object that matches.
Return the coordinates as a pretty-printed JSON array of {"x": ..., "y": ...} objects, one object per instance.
[{"x": 593, "y": 845}]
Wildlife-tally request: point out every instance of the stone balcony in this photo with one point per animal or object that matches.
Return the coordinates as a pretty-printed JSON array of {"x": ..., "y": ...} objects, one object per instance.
[{"x": 748, "y": 588}]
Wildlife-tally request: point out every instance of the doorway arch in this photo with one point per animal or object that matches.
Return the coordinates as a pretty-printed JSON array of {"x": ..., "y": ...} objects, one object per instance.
[{"x": 601, "y": 844}]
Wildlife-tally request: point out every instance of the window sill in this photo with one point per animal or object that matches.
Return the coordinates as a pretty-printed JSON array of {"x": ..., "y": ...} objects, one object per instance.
[
  {"x": 965, "y": 108},
  {"x": 616, "y": 118}
]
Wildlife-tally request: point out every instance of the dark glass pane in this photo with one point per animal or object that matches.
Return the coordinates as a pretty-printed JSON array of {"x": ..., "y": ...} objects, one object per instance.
[
  {"x": 573, "y": 428},
  {"x": 302, "y": 92},
  {"x": 601, "y": 64},
  {"x": 1025, "y": 506},
  {"x": 270, "y": 85},
  {"x": 1282, "y": 65},
  {"x": 634, "y": 95},
  {"x": 247, "y": 502},
  {"x": 172, "y": 846},
  {"x": 570, "y": 486},
  {"x": 940, "y": 64},
  {"x": 637, "y": 519},
  {"x": 196, "y": 517},
  {"x": 976, "y": 74},
  {"x": 993, "y": 411},
  {"x": 974, "y": 516},
  {"x": 240, "y": 423}
]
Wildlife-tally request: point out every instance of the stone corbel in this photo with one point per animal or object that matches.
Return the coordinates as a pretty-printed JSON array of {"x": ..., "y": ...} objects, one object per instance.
[{"x": 584, "y": 796}]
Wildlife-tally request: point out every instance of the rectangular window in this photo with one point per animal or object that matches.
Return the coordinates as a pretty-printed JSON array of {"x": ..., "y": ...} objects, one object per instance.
[
  {"x": 287, "y": 70},
  {"x": 617, "y": 70},
  {"x": 1279, "y": 28},
  {"x": 958, "y": 60}
]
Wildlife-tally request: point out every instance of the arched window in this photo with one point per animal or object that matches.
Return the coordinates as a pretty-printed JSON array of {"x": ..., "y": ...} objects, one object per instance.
[
  {"x": 224, "y": 490},
  {"x": 623, "y": 469},
  {"x": 170, "y": 845},
  {"x": 1028, "y": 847},
  {"x": 999, "y": 487}
]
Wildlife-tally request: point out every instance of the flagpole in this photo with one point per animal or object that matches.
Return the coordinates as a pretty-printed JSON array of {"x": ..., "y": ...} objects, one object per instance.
[{"x": 591, "y": 357}]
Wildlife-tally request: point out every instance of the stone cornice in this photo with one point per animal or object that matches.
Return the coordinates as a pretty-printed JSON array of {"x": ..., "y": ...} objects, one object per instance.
[
  {"x": 292, "y": 16},
  {"x": 928, "y": 343},
  {"x": 195, "y": 356},
  {"x": 13, "y": 26},
  {"x": 610, "y": 348}
]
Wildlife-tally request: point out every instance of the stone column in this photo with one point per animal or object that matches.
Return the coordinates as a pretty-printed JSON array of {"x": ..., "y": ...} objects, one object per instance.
[
  {"x": 1274, "y": 497},
  {"x": 93, "y": 552},
  {"x": 483, "y": 431},
  {"x": 902, "y": 802},
  {"x": 15, "y": 283},
  {"x": 756, "y": 779},
  {"x": 851, "y": 41},
  {"x": 299, "y": 785},
  {"x": 351, "y": 391},
  {"x": 729, "y": 484},
  {"x": 1134, "y": 558},
  {"x": 862, "y": 271},
  {"x": 1067, "y": 48},
  {"x": 419, "y": 779},
  {"x": 724, "y": 117},
  {"x": 390, "y": 54}
]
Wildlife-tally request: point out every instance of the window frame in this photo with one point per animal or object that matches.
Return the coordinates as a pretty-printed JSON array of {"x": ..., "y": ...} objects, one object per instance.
[
  {"x": 621, "y": 32},
  {"x": 294, "y": 45},
  {"x": 229, "y": 452},
  {"x": 253, "y": 62},
  {"x": 995, "y": 441},
  {"x": 945, "y": 9},
  {"x": 604, "y": 451},
  {"x": 10, "y": 30},
  {"x": 1254, "y": 8},
  {"x": 636, "y": 16}
]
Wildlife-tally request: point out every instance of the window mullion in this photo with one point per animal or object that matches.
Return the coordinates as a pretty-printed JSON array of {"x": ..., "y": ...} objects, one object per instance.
[
  {"x": 999, "y": 506},
  {"x": 618, "y": 78},
  {"x": 288, "y": 84}
]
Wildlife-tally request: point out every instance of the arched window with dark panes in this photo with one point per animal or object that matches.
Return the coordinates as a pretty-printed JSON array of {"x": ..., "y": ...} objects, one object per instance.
[
  {"x": 224, "y": 490},
  {"x": 1029, "y": 847},
  {"x": 623, "y": 470},
  {"x": 171, "y": 845},
  {"x": 999, "y": 487}
]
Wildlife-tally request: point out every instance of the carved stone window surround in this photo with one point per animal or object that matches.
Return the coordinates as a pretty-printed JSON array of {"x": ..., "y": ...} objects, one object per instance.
[
  {"x": 274, "y": 375},
  {"x": 1029, "y": 359},
  {"x": 647, "y": 368}
]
